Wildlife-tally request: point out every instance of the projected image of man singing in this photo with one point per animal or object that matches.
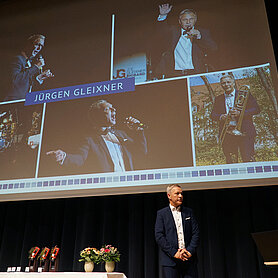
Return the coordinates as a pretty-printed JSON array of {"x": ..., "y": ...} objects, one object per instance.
[
  {"x": 27, "y": 69},
  {"x": 106, "y": 149},
  {"x": 177, "y": 235},
  {"x": 236, "y": 128},
  {"x": 188, "y": 44}
]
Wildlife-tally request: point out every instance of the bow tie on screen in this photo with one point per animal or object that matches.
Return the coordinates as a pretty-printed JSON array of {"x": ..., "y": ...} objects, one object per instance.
[
  {"x": 28, "y": 63},
  {"x": 229, "y": 95},
  {"x": 185, "y": 31}
]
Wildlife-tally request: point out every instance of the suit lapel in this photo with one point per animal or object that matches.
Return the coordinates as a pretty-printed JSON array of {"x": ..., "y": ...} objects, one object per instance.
[
  {"x": 236, "y": 93},
  {"x": 171, "y": 217},
  {"x": 223, "y": 104},
  {"x": 183, "y": 220},
  {"x": 176, "y": 36},
  {"x": 104, "y": 149},
  {"x": 124, "y": 140}
]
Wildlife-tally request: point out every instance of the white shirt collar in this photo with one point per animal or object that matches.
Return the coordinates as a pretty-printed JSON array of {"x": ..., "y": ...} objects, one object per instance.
[
  {"x": 175, "y": 208},
  {"x": 232, "y": 94}
]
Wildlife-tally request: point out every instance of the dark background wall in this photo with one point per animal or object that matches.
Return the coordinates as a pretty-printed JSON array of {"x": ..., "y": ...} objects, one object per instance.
[{"x": 226, "y": 218}]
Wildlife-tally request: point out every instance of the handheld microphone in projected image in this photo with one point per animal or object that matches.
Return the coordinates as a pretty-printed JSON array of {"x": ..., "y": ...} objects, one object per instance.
[
  {"x": 133, "y": 123},
  {"x": 40, "y": 59}
]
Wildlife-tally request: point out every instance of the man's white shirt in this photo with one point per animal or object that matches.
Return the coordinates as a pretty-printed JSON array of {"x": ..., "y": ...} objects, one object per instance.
[
  {"x": 115, "y": 151},
  {"x": 183, "y": 53},
  {"x": 178, "y": 221},
  {"x": 183, "y": 50},
  {"x": 229, "y": 101}
]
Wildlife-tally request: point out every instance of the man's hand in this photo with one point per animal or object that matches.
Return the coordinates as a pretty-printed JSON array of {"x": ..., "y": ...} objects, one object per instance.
[
  {"x": 133, "y": 123},
  {"x": 45, "y": 74},
  {"x": 223, "y": 117},
  {"x": 185, "y": 254},
  {"x": 234, "y": 112},
  {"x": 194, "y": 33},
  {"x": 164, "y": 9},
  {"x": 40, "y": 63},
  {"x": 178, "y": 255},
  {"x": 59, "y": 155}
]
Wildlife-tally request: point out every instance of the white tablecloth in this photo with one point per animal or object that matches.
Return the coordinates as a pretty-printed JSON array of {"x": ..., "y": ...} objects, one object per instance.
[{"x": 62, "y": 275}]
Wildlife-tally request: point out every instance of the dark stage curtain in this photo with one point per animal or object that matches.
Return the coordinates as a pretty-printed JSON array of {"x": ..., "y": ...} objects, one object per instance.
[{"x": 226, "y": 219}]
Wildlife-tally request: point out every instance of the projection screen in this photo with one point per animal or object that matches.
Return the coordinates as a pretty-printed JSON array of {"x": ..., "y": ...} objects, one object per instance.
[{"x": 105, "y": 98}]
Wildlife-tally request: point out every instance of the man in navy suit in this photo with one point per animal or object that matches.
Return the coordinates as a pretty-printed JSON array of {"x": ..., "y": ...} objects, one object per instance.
[
  {"x": 106, "y": 149},
  {"x": 224, "y": 106},
  {"x": 188, "y": 44},
  {"x": 177, "y": 235},
  {"x": 26, "y": 69}
]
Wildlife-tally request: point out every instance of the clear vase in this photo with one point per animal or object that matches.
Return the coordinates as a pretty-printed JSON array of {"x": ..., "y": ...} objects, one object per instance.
[
  {"x": 109, "y": 266},
  {"x": 89, "y": 266}
]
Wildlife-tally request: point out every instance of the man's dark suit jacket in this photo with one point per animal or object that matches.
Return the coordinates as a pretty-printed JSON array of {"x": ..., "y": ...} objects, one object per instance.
[
  {"x": 21, "y": 78},
  {"x": 167, "y": 238},
  {"x": 252, "y": 109},
  {"x": 199, "y": 47},
  {"x": 94, "y": 155}
]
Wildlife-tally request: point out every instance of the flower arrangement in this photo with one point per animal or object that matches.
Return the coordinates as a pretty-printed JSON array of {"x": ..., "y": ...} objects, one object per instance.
[
  {"x": 90, "y": 254},
  {"x": 108, "y": 253},
  {"x": 54, "y": 253},
  {"x": 43, "y": 255},
  {"x": 33, "y": 252}
]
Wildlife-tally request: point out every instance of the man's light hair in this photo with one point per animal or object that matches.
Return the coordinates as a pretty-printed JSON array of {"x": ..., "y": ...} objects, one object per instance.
[
  {"x": 227, "y": 76},
  {"x": 172, "y": 186},
  {"x": 35, "y": 37},
  {"x": 188, "y": 11}
]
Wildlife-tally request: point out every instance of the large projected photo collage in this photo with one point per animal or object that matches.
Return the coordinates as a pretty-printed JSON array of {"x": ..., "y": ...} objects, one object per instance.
[{"x": 122, "y": 103}]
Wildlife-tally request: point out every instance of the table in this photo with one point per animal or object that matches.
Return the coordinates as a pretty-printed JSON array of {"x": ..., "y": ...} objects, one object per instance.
[
  {"x": 62, "y": 275},
  {"x": 271, "y": 263}
]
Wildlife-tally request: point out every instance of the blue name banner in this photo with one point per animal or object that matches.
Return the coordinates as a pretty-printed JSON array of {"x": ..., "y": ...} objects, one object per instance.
[{"x": 81, "y": 91}]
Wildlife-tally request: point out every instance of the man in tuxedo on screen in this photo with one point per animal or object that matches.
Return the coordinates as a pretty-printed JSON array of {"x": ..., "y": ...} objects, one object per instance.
[
  {"x": 188, "y": 44},
  {"x": 177, "y": 235},
  {"x": 107, "y": 149},
  {"x": 223, "y": 108},
  {"x": 27, "y": 69}
]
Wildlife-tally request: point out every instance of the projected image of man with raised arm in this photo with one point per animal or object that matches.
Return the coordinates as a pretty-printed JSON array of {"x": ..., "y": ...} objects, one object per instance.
[
  {"x": 177, "y": 235},
  {"x": 188, "y": 44},
  {"x": 106, "y": 149}
]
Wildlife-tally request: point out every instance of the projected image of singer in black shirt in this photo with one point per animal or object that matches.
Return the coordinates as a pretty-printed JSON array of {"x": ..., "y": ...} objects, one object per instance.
[
  {"x": 27, "y": 69},
  {"x": 188, "y": 45},
  {"x": 107, "y": 149}
]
